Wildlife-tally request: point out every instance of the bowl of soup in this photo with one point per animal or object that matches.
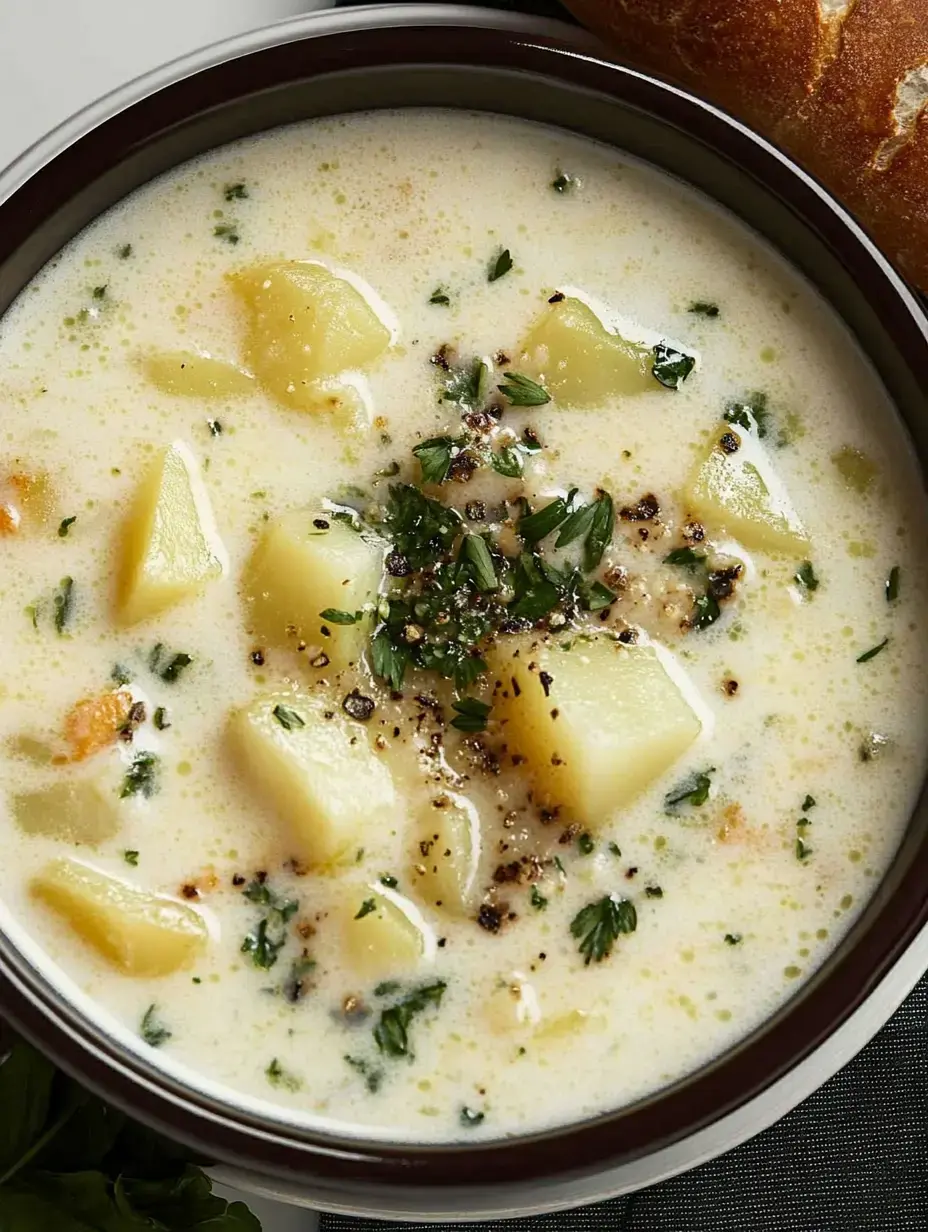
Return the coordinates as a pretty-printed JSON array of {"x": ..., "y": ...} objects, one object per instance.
[{"x": 463, "y": 677}]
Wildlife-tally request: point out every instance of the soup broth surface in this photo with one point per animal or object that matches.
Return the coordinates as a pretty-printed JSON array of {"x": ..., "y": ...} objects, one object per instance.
[{"x": 730, "y": 818}]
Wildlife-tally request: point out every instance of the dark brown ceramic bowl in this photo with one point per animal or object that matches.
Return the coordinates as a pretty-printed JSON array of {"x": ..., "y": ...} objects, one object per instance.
[{"x": 418, "y": 55}]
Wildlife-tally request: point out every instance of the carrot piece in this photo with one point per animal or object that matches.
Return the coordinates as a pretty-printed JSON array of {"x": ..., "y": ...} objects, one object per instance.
[{"x": 94, "y": 723}]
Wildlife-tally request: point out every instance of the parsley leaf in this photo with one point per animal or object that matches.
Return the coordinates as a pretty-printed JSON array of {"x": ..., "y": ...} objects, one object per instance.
[
  {"x": 753, "y": 415},
  {"x": 392, "y": 1031},
  {"x": 598, "y": 926},
  {"x": 226, "y": 231},
  {"x": 335, "y": 616},
  {"x": 131, "y": 857},
  {"x": 502, "y": 265},
  {"x": 288, "y": 718},
  {"x": 706, "y": 611},
  {"x": 601, "y": 530},
  {"x": 152, "y": 1030},
  {"x": 535, "y": 593},
  {"x": 277, "y": 1076},
  {"x": 367, "y": 907},
  {"x": 268, "y": 937},
  {"x": 438, "y": 296},
  {"x": 703, "y": 308},
  {"x": 389, "y": 660},
  {"x": 65, "y": 526},
  {"x": 476, "y": 554},
  {"x": 671, "y": 367},
  {"x": 470, "y": 1118},
  {"x": 563, "y": 182},
  {"x": 805, "y": 578},
  {"x": 373, "y": 1075},
  {"x": 892, "y": 585},
  {"x": 534, "y": 527},
  {"x": 236, "y": 192},
  {"x": 170, "y": 670},
  {"x": 472, "y": 714},
  {"x": 873, "y": 651},
  {"x": 520, "y": 390},
  {"x": 465, "y": 385},
  {"x": 64, "y": 605},
  {"x": 693, "y": 790},
  {"x": 685, "y": 558},
  {"x": 422, "y": 529},
  {"x": 435, "y": 457},
  {"x": 141, "y": 778},
  {"x": 507, "y": 462}
]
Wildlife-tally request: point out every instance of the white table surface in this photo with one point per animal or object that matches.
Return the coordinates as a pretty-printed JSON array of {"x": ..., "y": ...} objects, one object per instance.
[{"x": 58, "y": 55}]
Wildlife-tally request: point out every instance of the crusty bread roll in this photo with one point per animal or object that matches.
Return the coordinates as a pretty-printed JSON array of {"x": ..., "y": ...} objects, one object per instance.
[{"x": 841, "y": 85}]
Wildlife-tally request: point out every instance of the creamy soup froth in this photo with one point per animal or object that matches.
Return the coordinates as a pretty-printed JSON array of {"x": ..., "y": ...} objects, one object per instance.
[{"x": 462, "y": 602}]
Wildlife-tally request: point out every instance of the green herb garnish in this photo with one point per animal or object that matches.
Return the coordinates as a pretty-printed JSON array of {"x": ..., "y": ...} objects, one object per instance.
[
  {"x": 805, "y": 577},
  {"x": 236, "y": 192},
  {"x": 124, "y": 252},
  {"x": 500, "y": 266},
  {"x": 671, "y": 367},
  {"x": 706, "y": 611},
  {"x": 598, "y": 926},
  {"x": 892, "y": 585},
  {"x": 268, "y": 937},
  {"x": 537, "y": 899},
  {"x": 369, "y": 905},
  {"x": 160, "y": 718},
  {"x": 131, "y": 857},
  {"x": 685, "y": 558},
  {"x": 168, "y": 668},
  {"x": 64, "y": 605},
  {"x": 465, "y": 385},
  {"x": 476, "y": 554},
  {"x": 470, "y": 1118},
  {"x": 703, "y": 308},
  {"x": 563, "y": 182},
  {"x": 534, "y": 527},
  {"x": 520, "y": 390},
  {"x": 808, "y": 803},
  {"x": 753, "y": 415},
  {"x": 471, "y": 716},
  {"x": 392, "y": 1031},
  {"x": 693, "y": 790},
  {"x": 335, "y": 616},
  {"x": 732, "y": 938},
  {"x": 390, "y": 881},
  {"x": 373, "y": 1075},
  {"x": 873, "y": 651},
  {"x": 435, "y": 456},
  {"x": 586, "y": 844},
  {"x": 65, "y": 526},
  {"x": 438, "y": 296},
  {"x": 141, "y": 778},
  {"x": 508, "y": 462},
  {"x": 152, "y": 1030},
  {"x": 277, "y": 1076},
  {"x": 227, "y": 231},
  {"x": 288, "y": 718}
]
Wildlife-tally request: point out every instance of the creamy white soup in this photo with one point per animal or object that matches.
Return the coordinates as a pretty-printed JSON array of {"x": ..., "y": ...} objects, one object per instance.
[{"x": 462, "y": 596}]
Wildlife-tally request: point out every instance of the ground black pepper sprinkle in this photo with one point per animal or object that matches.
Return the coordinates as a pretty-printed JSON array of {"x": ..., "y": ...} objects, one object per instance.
[
  {"x": 644, "y": 510},
  {"x": 490, "y": 918},
  {"x": 320, "y": 524},
  {"x": 257, "y": 657},
  {"x": 730, "y": 443}
]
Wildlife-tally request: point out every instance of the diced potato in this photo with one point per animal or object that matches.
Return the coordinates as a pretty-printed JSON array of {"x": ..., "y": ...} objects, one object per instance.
[
  {"x": 141, "y": 933},
  {"x": 171, "y": 547},
  {"x": 189, "y": 375},
  {"x": 579, "y": 361},
  {"x": 82, "y": 810},
  {"x": 512, "y": 1005},
  {"x": 35, "y": 496},
  {"x": 447, "y": 855},
  {"x": 741, "y": 494},
  {"x": 596, "y": 723},
  {"x": 307, "y": 563},
  {"x": 384, "y": 932},
  {"x": 305, "y": 324},
  {"x": 320, "y": 774},
  {"x": 94, "y": 723}
]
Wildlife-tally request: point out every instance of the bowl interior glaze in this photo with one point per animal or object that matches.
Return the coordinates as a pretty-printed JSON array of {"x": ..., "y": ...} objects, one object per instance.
[{"x": 552, "y": 78}]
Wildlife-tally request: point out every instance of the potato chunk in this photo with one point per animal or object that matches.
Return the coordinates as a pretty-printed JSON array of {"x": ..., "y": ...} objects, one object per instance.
[
  {"x": 447, "y": 855},
  {"x": 320, "y": 774},
  {"x": 740, "y": 493},
  {"x": 384, "y": 932},
  {"x": 305, "y": 324},
  {"x": 141, "y": 933},
  {"x": 84, "y": 810},
  {"x": 597, "y": 723},
  {"x": 171, "y": 547},
  {"x": 190, "y": 375},
  {"x": 580, "y": 362},
  {"x": 307, "y": 563}
]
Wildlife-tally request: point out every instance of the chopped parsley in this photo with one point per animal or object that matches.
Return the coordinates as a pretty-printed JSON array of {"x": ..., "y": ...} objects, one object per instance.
[
  {"x": 439, "y": 296},
  {"x": 215, "y": 427},
  {"x": 537, "y": 899},
  {"x": 64, "y": 526},
  {"x": 520, "y": 390},
  {"x": 124, "y": 252},
  {"x": 752, "y": 415},
  {"x": 373, "y": 1075},
  {"x": 500, "y": 266},
  {"x": 268, "y": 937},
  {"x": 236, "y": 192},
  {"x": 671, "y": 367},
  {"x": 586, "y": 844},
  {"x": 168, "y": 667},
  {"x": 296, "y": 985},
  {"x": 120, "y": 674},
  {"x": 277, "y": 1076},
  {"x": 476, "y": 554},
  {"x": 470, "y": 1118},
  {"x": 733, "y": 938},
  {"x": 873, "y": 651},
  {"x": 99, "y": 293},
  {"x": 335, "y": 616},
  {"x": 533, "y": 527},
  {"x": 508, "y": 462},
  {"x": 131, "y": 857},
  {"x": 465, "y": 385},
  {"x": 808, "y": 803},
  {"x": 389, "y": 880},
  {"x": 706, "y": 611},
  {"x": 892, "y": 585},
  {"x": 563, "y": 183},
  {"x": 141, "y": 779},
  {"x": 160, "y": 718},
  {"x": 391, "y": 1033},
  {"x": 64, "y": 605},
  {"x": 288, "y": 718},
  {"x": 803, "y": 850},
  {"x": 685, "y": 558},
  {"x": 367, "y": 907},
  {"x": 471, "y": 716},
  {"x": 703, "y": 308},
  {"x": 227, "y": 231},
  {"x": 598, "y": 926},
  {"x": 805, "y": 578},
  {"x": 615, "y": 849},
  {"x": 594, "y": 524},
  {"x": 152, "y": 1030},
  {"x": 435, "y": 457},
  {"x": 693, "y": 790}
]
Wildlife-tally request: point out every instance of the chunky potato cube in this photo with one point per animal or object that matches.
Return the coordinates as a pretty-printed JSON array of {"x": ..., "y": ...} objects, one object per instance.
[
  {"x": 580, "y": 362},
  {"x": 384, "y": 933},
  {"x": 84, "y": 810},
  {"x": 308, "y": 563},
  {"x": 596, "y": 723},
  {"x": 447, "y": 855},
  {"x": 305, "y": 324},
  {"x": 141, "y": 933},
  {"x": 189, "y": 375},
  {"x": 740, "y": 493},
  {"x": 171, "y": 547},
  {"x": 320, "y": 774}
]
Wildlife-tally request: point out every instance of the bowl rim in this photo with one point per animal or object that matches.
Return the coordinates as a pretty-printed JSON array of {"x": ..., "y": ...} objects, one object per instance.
[{"x": 410, "y": 1177}]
